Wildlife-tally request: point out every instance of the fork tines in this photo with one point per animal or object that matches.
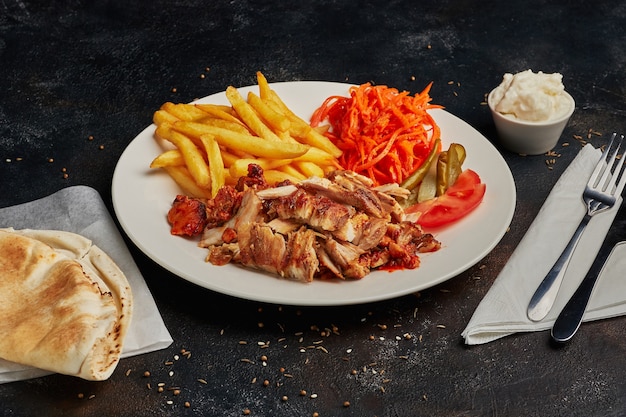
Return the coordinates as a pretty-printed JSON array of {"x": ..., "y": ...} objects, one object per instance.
[{"x": 612, "y": 171}]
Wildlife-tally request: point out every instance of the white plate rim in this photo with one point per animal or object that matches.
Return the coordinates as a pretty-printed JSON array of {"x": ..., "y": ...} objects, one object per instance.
[{"x": 141, "y": 198}]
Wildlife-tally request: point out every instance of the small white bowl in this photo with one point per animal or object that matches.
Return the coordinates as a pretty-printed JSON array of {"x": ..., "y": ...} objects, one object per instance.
[{"x": 530, "y": 138}]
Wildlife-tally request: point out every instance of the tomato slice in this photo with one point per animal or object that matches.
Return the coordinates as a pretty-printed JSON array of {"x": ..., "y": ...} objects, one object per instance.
[{"x": 459, "y": 200}]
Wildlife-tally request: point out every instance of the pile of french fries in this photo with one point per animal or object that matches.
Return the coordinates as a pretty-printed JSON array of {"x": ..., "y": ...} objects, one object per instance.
[{"x": 214, "y": 144}]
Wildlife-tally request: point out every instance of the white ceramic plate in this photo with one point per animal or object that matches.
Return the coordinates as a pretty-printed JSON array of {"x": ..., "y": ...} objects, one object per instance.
[{"x": 142, "y": 198}]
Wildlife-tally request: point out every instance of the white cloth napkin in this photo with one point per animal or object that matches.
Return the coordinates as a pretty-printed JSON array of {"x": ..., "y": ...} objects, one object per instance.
[
  {"x": 503, "y": 309},
  {"x": 80, "y": 209}
]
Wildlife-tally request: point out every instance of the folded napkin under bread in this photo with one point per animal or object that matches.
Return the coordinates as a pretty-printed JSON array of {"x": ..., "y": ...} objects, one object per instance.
[
  {"x": 503, "y": 309},
  {"x": 80, "y": 209}
]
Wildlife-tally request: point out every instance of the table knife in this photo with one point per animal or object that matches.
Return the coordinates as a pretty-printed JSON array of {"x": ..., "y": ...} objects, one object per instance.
[{"x": 570, "y": 318}]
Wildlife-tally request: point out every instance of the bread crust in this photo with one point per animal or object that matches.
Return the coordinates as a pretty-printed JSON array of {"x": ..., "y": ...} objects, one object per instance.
[{"x": 65, "y": 304}]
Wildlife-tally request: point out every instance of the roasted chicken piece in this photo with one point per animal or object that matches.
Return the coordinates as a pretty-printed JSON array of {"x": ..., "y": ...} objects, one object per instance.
[{"x": 333, "y": 227}]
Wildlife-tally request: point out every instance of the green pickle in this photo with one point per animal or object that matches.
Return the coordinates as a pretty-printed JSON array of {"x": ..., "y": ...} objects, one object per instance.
[
  {"x": 438, "y": 172},
  {"x": 449, "y": 167},
  {"x": 413, "y": 180}
]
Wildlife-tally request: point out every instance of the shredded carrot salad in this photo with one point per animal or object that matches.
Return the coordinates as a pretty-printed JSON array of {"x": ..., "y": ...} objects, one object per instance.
[{"x": 384, "y": 134}]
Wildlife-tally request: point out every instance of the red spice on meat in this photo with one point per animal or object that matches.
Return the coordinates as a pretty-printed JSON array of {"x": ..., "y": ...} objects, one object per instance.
[{"x": 187, "y": 216}]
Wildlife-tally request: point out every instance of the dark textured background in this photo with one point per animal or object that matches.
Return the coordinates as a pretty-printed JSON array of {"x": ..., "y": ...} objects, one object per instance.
[{"x": 74, "y": 69}]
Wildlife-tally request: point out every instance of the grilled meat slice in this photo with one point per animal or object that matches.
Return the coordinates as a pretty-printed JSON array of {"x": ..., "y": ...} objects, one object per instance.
[
  {"x": 223, "y": 254},
  {"x": 224, "y": 206},
  {"x": 301, "y": 261},
  {"x": 346, "y": 257},
  {"x": 187, "y": 216},
  {"x": 346, "y": 192},
  {"x": 362, "y": 230},
  {"x": 292, "y": 257},
  {"x": 316, "y": 211},
  {"x": 250, "y": 210},
  {"x": 261, "y": 248},
  {"x": 334, "y": 227}
]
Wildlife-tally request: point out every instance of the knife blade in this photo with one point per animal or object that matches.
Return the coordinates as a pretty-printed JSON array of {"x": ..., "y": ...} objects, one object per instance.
[{"x": 570, "y": 318}]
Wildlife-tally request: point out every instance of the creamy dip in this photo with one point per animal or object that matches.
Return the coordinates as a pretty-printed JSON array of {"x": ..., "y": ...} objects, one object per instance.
[{"x": 535, "y": 97}]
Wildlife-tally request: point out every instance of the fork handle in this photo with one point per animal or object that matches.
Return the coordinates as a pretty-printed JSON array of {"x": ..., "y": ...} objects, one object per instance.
[{"x": 543, "y": 298}]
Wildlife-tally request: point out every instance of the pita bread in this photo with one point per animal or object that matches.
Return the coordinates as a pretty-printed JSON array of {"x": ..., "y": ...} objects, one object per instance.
[{"x": 65, "y": 305}]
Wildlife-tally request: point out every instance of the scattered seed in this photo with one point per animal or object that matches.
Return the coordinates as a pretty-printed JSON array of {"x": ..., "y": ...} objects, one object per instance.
[
  {"x": 202, "y": 381},
  {"x": 266, "y": 383},
  {"x": 81, "y": 395},
  {"x": 246, "y": 412},
  {"x": 160, "y": 389},
  {"x": 346, "y": 403},
  {"x": 92, "y": 396},
  {"x": 174, "y": 89},
  {"x": 187, "y": 404},
  {"x": 90, "y": 137},
  {"x": 101, "y": 147},
  {"x": 441, "y": 326},
  {"x": 169, "y": 402},
  {"x": 146, "y": 374},
  {"x": 302, "y": 392},
  {"x": 382, "y": 326},
  {"x": 284, "y": 398},
  {"x": 313, "y": 396}
]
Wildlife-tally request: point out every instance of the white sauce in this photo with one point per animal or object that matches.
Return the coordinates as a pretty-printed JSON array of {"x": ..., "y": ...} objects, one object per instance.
[{"x": 530, "y": 96}]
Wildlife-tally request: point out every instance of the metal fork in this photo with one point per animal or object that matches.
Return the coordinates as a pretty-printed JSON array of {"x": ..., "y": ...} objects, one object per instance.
[{"x": 600, "y": 194}]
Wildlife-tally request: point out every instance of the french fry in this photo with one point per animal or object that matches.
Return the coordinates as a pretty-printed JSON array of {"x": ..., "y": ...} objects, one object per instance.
[
  {"x": 219, "y": 112},
  {"x": 226, "y": 124},
  {"x": 293, "y": 172},
  {"x": 277, "y": 121},
  {"x": 216, "y": 164},
  {"x": 264, "y": 86},
  {"x": 249, "y": 117},
  {"x": 246, "y": 143},
  {"x": 240, "y": 167},
  {"x": 273, "y": 176},
  {"x": 215, "y": 144},
  {"x": 183, "y": 178},
  {"x": 310, "y": 169},
  {"x": 194, "y": 160},
  {"x": 303, "y": 130},
  {"x": 161, "y": 116},
  {"x": 317, "y": 156},
  {"x": 170, "y": 158},
  {"x": 183, "y": 111}
]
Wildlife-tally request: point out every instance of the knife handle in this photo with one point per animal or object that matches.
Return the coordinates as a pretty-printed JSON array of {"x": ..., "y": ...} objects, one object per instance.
[{"x": 570, "y": 318}]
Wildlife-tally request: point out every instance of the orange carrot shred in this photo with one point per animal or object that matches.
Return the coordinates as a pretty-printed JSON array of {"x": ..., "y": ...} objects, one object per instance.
[{"x": 384, "y": 134}]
